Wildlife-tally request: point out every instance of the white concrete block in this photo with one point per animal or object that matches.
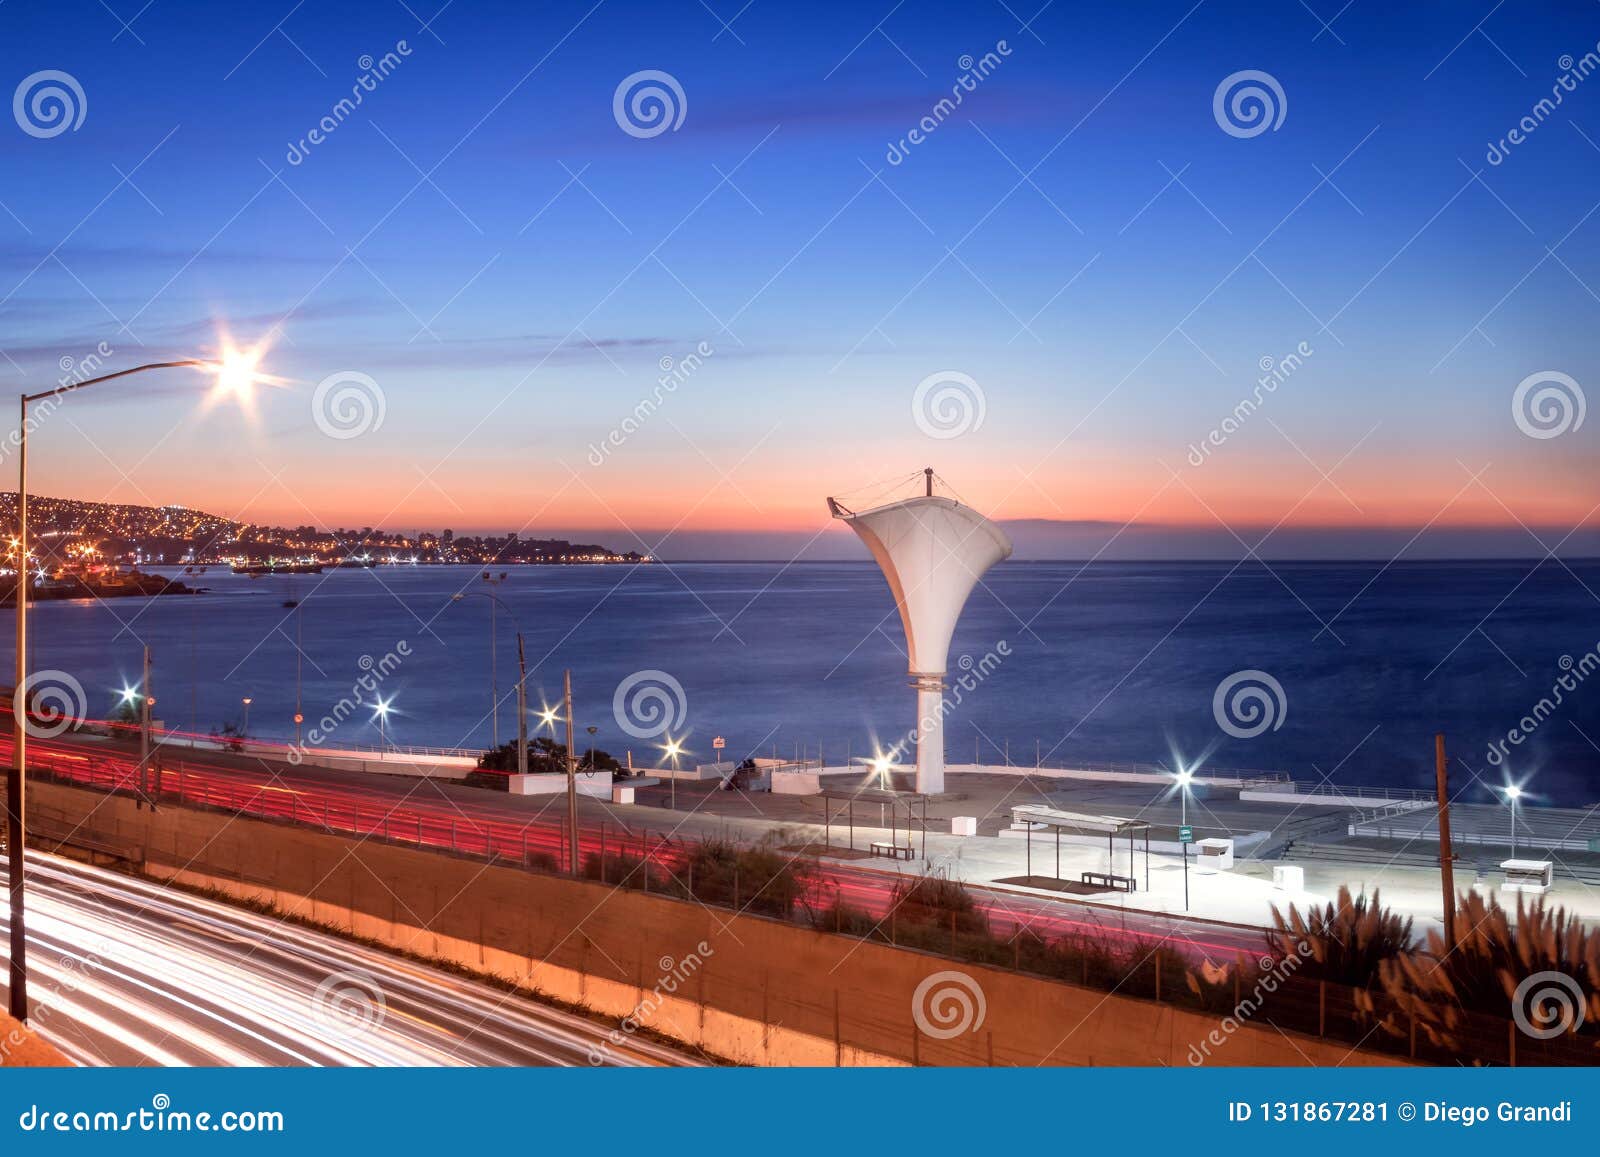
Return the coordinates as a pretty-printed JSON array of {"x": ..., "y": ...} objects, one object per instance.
[
  {"x": 1288, "y": 877},
  {"x": 620, "y": 794},
  {"x": 963, "y": 825}
]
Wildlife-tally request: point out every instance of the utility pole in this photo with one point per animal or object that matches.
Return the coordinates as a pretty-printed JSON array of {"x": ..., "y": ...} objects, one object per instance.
[
  {"x": 299, "y": 658},
  {"x": 1446, "y": 857},
  {"x": 522, "y": 709},
  {"x": 144, "y": 731},
  {"x": 572, "y": 781},
  {"x": 494, "y": 676},
  {"x": 16, "y": 797}
]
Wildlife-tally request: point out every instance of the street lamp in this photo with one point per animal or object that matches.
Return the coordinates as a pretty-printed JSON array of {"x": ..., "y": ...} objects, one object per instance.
[
  {"x": 672, "y": 750},
  {"x": 1513, "y": 793},
  {"x": 246, "y": 728},
  {"x": 494, "y": 676},
  {"x": 380, "y": 712},
  {"x": 495, "y": 601},
  {"x": 236, "y": 374},
  {"x": 1184, "y": 778}
]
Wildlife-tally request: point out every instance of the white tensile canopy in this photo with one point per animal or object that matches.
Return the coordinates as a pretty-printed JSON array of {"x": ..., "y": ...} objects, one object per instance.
[{"x": 933, "y": 551}]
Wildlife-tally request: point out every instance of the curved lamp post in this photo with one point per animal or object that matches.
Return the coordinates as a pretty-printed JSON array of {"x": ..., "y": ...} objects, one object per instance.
[{"x": 235, "y": 374}]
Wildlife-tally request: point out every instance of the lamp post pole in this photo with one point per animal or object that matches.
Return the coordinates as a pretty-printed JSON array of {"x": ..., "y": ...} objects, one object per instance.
[
  {"x": 522, "y": 709},
  {"x": 145, "y": 702},
  {"x": 522, "y": 675},
  {"x": 494, "y": 662},
  {"x": 572, "y": 781},
  {"x": 16, "y": 819}
]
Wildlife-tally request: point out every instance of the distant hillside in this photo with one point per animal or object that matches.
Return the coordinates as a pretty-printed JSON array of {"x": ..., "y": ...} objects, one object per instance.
[{"x": 66, "y": 529}]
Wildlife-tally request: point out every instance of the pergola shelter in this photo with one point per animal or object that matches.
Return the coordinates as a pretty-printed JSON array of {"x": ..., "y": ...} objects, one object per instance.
[
  {"x": 878, "y": 795},
  {"x": 1031, "y": 815}
]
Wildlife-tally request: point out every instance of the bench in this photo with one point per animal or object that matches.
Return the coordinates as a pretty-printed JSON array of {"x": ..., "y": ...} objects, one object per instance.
[
  {"x": 893, "y": 851},
  {"x": 1111, "y": 880}
]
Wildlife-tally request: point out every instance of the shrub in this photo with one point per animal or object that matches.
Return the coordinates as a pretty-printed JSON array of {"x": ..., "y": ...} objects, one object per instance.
[
  {"x": 1349, "y": 938},
  {"x": 1442, "y": 988},
  {"x": 760, "y": 878}
]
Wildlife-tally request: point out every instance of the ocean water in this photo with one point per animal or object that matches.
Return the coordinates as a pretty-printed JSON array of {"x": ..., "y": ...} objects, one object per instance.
[{"x": 1106, "y": 662}]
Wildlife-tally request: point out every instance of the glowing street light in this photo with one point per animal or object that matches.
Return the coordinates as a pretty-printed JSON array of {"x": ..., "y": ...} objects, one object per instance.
[
  {"x": 246, "y": 701},
  {"x": 1513, "y": 794},
  {"x": 1184, "y": 779},
  {"x": 380, "y": 713},
  {"x": 672, "y": 749},
  {"x": 235, "y": 373}
]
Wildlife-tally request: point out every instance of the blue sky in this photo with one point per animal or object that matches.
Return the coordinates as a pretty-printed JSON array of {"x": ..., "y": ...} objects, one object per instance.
[{"x": 1081, "y": 239}]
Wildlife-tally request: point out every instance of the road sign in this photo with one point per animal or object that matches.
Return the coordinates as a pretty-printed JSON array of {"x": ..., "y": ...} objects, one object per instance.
[
  {"x": 719, "y": 743},
  {"x": 1186, "y": 834}
]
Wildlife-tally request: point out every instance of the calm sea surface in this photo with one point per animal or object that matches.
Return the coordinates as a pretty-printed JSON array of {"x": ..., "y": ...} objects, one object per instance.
[{"x": 1108, "y": 662}]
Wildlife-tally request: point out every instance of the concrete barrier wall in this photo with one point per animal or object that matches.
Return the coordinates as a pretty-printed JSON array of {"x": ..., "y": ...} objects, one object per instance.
[{"x": 743, "y": 988}]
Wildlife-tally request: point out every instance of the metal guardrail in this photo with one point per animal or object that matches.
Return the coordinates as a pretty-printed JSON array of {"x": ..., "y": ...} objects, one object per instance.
[
  {"x": 1145, "y": 768},
  {"x": 1383, "y": 813},
  {"x": 189, "y": 739},
  {"x": 1366, "y": 791}
]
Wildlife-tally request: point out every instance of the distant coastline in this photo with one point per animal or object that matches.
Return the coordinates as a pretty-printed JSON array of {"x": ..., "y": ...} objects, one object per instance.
[{"x": 67, "y": 532}]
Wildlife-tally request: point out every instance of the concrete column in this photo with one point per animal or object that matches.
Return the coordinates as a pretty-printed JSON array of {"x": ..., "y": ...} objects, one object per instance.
[{"x": 930, "y": 733}]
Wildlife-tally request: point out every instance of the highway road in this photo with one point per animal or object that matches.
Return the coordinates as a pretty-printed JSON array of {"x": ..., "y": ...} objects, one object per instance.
[
  {"x": 519, "y": 830},
  {"x": 126, "y": 972}
]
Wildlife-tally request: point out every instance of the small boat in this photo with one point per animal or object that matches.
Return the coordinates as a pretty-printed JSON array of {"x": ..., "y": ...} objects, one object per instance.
[{"x": 261, "y": 568}]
